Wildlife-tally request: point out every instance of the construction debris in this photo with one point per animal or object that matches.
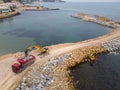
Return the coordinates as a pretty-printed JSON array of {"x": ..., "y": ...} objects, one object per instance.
[
  {"x": 113, "y": 46},
  {"x": 40, "y": 79}
]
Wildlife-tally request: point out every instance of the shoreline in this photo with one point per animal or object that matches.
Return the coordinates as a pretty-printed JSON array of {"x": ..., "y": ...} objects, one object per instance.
[
  {"x": 22, "y": 7},
  {"x": 32, "y": 8},
  {"x": 36, "y": 8},
  {"x": 55, "y": 65},
  {"x": 10, "y": 14}
]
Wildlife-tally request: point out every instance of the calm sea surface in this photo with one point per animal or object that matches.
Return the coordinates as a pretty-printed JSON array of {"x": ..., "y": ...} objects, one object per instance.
[{"x": 53, "y": 27}]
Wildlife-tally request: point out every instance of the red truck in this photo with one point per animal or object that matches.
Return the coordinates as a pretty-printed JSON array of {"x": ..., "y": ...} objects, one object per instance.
[{"x": 23, "y": 63}]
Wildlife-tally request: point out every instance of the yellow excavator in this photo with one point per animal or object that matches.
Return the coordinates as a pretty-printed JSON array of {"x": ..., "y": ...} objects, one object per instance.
[
  {"x": 104, "y": 19},
  {"x": 42, "y": 50}
]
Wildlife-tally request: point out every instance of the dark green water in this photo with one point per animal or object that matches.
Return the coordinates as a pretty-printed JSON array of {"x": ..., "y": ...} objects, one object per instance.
[
  {"x": 47, "y": 27},
  {"x": 53, "y": 27},
  {"x": 103, "y": 75}
]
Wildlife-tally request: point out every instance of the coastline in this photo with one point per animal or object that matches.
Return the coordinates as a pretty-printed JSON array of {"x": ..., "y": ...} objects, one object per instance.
[
  {"x": 75, "y": 48},
  {"x": 32, "y": 8},
  {"x": 10, "y": 14},
  {"x": 57, "y": 63},
  {"x": 62, "y": 78},
  {"x": 24, "y": 8}
]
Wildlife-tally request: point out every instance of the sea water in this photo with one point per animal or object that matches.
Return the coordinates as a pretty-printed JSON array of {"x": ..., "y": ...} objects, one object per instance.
[{"x": 54, "y": 27}]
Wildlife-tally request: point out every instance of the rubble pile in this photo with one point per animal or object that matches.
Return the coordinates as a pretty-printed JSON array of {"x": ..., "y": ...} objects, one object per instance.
[
  {"x": 81, "y": 56},
  {"x": 113, "y": 46},
  {"x": 40, "y": 79},
  {"x": 22, "y": 85}
]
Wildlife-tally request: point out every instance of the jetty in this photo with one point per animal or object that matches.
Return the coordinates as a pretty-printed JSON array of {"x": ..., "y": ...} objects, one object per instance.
[
  {"x": 33, "y": 8},
  {"x": 51, "y": 72},
  {"x": 98, "y": 19},
  {"x": 9, "y": 14},
  {"x": 30, "y": 7}
]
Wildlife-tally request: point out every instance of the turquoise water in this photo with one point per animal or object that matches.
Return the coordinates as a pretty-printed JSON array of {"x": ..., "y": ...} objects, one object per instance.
[
  {"x": 53, "y": 27},
  {"x": 50, "y": 27}
]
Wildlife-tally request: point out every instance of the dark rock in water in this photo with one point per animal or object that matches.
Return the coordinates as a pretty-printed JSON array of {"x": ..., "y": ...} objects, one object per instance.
[
  {"x": 55, "y": 9},
  {"x": 53, "y": 1}
]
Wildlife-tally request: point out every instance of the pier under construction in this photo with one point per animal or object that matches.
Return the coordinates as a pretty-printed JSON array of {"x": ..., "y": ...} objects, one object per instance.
[{"x": 98, "y": 19}]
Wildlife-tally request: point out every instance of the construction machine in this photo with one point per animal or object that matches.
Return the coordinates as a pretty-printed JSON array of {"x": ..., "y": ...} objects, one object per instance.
[
  {"x": 23, "y": 63},
  {"x": 28, "y": 59},
  {"x": 104, "y": 19},
  {"x": 42, "y": 50}
]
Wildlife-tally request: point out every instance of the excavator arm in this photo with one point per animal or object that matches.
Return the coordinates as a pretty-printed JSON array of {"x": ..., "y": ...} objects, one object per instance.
[{"x": 41, "y": 49}]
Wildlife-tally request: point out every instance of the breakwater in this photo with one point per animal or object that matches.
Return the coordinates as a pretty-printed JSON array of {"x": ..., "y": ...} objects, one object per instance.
[
  {"x": 58, "y": 65},
  {"x": 52, "y": 74},
  {"x": 98, "y": 19},
  {"x": 52, "y": 71},
  {"x": 33, "y": 8},
  {"x": 36, "y": 8},
  {"x": 9, "y": 14}
]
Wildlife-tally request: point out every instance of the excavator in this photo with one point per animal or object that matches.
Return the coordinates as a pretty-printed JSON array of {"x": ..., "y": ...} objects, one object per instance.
[
  {"x": 42, "y": 50},
  {"x": 28, "y": 59}
]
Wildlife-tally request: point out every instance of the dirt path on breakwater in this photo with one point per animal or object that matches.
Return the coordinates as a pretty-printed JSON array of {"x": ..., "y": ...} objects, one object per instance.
[{"x": 9, "y": 80}]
